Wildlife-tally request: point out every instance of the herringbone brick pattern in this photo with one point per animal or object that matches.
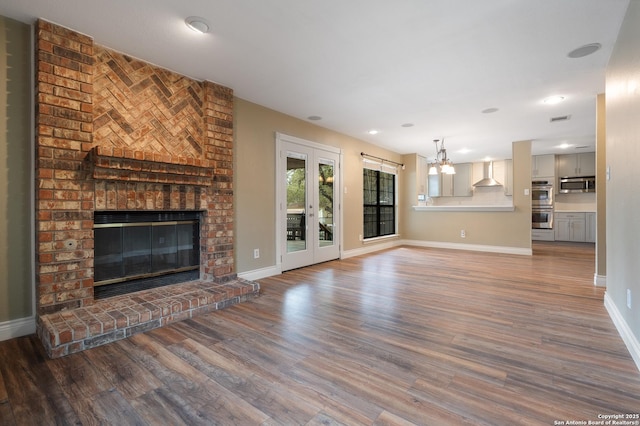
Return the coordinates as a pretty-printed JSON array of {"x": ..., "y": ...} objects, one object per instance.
[{"x": 138, "y": 105}]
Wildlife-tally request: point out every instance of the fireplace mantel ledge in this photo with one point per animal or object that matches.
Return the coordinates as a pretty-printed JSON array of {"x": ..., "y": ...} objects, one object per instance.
[{"x": 138, "y": 166}]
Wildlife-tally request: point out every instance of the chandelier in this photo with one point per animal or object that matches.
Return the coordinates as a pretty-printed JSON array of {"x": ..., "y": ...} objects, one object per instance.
[{"x": 441, "y": 162}]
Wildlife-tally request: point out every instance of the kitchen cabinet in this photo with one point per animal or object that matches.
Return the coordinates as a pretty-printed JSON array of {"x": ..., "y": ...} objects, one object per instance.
[
  {"x": 421, "y": 174},
  {"x": 434, "y": 185},
  {"x": 462, "y": 180},
  {"x": 458, "y": 185},
  {"x": 591, "y": 227},
  {"x": 543, "y": 166},
  {"x": 570, "y": 227},
  {"x": 503, "y": 172},
  {"x": 582, "y": 164},
  {"x": 542, "y": 235},
  {"x": 447, "y": 183}
]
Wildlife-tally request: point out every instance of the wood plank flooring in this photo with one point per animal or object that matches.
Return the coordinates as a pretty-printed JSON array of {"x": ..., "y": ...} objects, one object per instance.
[{"x": 404, "y": 336}]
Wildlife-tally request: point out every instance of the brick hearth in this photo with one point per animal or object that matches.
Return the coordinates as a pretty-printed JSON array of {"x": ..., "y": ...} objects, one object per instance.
[
  {"x": 70, "y": 331},
  {"x": 115, "y": 133}
]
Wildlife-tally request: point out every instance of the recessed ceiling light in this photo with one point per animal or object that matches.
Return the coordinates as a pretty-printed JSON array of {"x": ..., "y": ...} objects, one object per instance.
[
  {"x": 490, "y": 110},
  {"x": 197, "y": 24},
  {"x": 373, "y": 132},
  {"x": 552, "y": 100},
  {"x": 407, "y": 125},
  {"x": 585, "y": 50},
  {"x": 314, "y": 118},
  {"x": 564, "y": 146}
]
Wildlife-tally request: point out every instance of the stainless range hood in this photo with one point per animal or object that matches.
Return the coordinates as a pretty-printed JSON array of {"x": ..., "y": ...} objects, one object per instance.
[{"x": 488, "y": 179}]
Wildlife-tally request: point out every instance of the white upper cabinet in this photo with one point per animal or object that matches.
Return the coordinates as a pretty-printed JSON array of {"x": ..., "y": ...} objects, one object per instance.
[
  {"x": 434, "y": 185},
  {"x": 583, "y": 164},
  {"x": 543, "y": 166},
  {"x": 462, "y": 185},
  {"x": 503, "y": 173}
]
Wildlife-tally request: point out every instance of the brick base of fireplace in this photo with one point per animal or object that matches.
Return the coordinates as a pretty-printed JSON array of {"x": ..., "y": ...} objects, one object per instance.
[{"x": 66, "y": 332}]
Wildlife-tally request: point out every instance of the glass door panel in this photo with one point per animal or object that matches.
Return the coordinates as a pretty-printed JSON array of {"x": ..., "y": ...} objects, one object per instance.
[
  {"x": 296, "y": 202},
  {"x": 136, "y": 242},
  {"x": 326, "y": 171}
]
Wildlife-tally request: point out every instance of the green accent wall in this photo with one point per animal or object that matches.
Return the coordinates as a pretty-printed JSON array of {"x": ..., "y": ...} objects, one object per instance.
[{"x": 16, "y": 245}]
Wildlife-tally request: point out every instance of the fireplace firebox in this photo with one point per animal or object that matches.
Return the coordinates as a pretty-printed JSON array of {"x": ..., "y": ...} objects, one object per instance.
[{"x": 141, "y": 250}]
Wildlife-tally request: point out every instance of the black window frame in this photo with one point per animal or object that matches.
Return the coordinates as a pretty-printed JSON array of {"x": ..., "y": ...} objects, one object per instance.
[{"x": 379, "y": 203}]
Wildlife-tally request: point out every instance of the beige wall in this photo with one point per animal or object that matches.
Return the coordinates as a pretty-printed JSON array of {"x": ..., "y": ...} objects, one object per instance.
[
  {"x": 623, "y": 158},
  {"x": 254, "y": 192},
  {"x": 504, "y": 229},
  {"x": 254, "y": 179},
  {"x": 601, "y": 183},
  {"x": 16, "y": 299}
]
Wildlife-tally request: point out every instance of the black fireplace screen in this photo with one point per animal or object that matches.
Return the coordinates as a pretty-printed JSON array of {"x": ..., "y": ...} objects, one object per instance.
[{"x": 139, "y": 245}]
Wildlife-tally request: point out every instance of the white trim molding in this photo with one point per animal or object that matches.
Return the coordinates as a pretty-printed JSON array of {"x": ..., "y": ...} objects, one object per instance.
[
  {"x": 437, "y": 244},
  {"x": 391, "y": 243},
  {"x": 473, "y": 247},
  {"x": 371, "y": 248},
  {"x": 629, "y": 339},
  {"x": 257, "y": 274},
  {"x": 17, "y": 328},
  {"x": 599, "y": 280}
]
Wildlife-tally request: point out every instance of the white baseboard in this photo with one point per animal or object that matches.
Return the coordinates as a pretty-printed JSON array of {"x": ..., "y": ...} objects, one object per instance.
[
  {"x": 256, "y": 274},
  {"x": 436, "y": 244},
  {"x": 599, "y": 280},
  {"x": 17, "y": 328},
  {"x": 472, "y": 247},
  {"x": 633, "y": 345},
  {"x": 370, "y": 248}
]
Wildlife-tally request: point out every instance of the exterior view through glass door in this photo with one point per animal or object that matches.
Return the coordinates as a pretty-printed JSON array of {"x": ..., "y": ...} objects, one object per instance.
[{"x": 309, "y": 214}]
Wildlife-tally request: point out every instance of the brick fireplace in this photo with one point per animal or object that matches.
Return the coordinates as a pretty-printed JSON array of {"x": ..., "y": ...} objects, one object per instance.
[{"x": 115, "y": 134}]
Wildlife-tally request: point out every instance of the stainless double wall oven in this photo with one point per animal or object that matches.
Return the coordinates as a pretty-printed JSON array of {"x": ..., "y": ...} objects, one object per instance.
[{"x": 542, "y": 204}]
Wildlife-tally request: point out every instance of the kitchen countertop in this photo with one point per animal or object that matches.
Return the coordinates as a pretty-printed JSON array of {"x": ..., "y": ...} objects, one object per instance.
[
  {"x": 573, "y": 211},
  {"x": 476, "y": 208}
]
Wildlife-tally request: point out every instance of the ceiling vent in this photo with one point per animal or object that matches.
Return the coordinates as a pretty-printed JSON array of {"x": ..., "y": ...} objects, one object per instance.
[{"x": 560, "y": 118}]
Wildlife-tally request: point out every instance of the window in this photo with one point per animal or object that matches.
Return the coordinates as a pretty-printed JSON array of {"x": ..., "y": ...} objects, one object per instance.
[{"x": 379, "y": 203}]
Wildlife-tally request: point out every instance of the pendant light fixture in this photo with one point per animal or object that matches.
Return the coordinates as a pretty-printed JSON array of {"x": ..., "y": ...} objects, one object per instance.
[{"x": 441, "y": 163}]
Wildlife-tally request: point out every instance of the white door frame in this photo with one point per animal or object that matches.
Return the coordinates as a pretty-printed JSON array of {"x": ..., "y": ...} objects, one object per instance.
[{"x": 280, "y": 202}]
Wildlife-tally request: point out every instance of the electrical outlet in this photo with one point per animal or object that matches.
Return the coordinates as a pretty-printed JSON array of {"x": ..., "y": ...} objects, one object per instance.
[
  {"x": 629, "y": 298},
  {"x": 256, "y": 253},
  {"x": 463, "y": 233},
  {"x": 360, "y": 237}
]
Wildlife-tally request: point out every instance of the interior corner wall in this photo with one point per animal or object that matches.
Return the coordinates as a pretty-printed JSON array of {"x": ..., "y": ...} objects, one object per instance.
[
  {"x": 623, "y": 157},
  {"x": 16, "y": 286},
  {"x": 601, "y": 183}
]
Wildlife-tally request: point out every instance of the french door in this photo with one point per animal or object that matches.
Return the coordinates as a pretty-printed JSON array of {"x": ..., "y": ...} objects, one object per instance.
[{"x": 308, "y": 204}]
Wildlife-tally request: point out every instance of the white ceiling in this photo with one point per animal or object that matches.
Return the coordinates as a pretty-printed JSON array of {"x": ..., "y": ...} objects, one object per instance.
[{"x": 378, "y": 64}]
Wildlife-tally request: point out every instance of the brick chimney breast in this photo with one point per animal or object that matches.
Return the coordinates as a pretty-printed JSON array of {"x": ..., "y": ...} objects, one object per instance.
[{"x": 117, "y": 133}]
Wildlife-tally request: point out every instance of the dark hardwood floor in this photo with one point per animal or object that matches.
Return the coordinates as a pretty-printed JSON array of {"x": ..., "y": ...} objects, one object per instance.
[{"x": 403, "y": 336}]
